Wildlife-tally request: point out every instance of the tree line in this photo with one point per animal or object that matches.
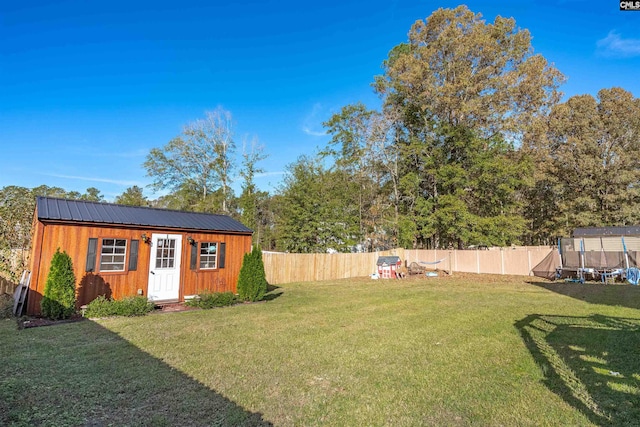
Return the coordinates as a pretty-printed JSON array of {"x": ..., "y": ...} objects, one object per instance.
[{"x": 471, "y": 146}]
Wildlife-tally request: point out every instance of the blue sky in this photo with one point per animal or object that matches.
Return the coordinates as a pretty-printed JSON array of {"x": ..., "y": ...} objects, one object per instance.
[{"x": 88, "y": 88}]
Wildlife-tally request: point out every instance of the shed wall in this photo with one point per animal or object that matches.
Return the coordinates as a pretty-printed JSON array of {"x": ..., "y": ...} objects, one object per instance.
[{"x": 74, "y": 239}]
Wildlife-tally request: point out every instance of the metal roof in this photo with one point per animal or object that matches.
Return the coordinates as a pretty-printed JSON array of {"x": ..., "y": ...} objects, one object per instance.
[
  {"x": 389, "y": 260},
  {"x": 607, "y": 231},
  {"x": 52, "y": 209}
]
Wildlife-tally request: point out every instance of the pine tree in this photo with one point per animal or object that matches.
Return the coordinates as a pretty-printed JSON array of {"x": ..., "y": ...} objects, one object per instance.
[
  {"x": 59, "y": 300},
  {"x": 252, "y": 282}
]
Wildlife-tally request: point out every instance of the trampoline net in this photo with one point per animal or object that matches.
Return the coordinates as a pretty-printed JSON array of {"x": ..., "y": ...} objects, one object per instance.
[{"x": 599, "y": 252}]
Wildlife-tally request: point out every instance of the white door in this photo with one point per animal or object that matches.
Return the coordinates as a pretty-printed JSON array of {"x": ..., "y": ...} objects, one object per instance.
[{"x": 164, "y": 267}]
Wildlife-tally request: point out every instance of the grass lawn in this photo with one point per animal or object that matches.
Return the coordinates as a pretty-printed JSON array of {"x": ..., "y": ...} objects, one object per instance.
[{"x": 451, "y": 351}]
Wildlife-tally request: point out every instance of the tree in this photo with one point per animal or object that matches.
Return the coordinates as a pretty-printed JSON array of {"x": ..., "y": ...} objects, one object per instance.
[
  {"x": 92, "y": 195},
  {"x": 458, "y": 70},
  {"x": 315, "y": 210},
  {"x": 298, "y": 218},
  {"x": 46, "y": 191},
  {"x": 363, "y": 147},
  {"x": 59, "y": 299},
  {"x": 461, "y": 94},
  {"x": 252, "y": 281},
  {"x": 267, "y": 228},
  {"x": 478, "y": 182},
  {"x": 17, "y": 205},
  {"x": 16, "y": 214},
  {"x": 251, "y": 200},
  {"x": 200, "y": 159},
  {"x": 186, "y": 198},
  {"x": 589, "y": 162},
  {"x": 132, "y": 196}
]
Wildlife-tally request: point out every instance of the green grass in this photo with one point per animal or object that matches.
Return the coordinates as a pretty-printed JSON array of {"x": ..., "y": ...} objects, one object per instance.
[{"x": 454, "y": 351}]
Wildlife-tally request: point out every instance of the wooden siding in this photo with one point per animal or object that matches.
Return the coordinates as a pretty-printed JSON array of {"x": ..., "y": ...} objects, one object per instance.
[
  {"x": 74, "y": 238},
  {"x": 219, "y": 280}
]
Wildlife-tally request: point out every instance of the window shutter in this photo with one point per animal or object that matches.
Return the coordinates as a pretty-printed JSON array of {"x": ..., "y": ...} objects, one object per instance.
[
  {"x": 133, "y": 255},
  {"x": 222, "y": 255},
  {"x": 91, "y": 255},
  {"x": 194, "y": 257}
]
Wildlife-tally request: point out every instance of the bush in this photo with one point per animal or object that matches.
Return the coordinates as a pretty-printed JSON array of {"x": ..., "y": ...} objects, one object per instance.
[
  {"x": 129, "y": 306},
  {"x": 6, "y": 306},
  {"x": 252, "y": 282},
  {"x": 213, "y": 299},
  {"x": 59, "y": 299}
]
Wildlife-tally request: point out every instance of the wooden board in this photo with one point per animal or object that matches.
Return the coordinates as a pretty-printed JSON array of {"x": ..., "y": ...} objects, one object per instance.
[{"x": 20, "y": 294}]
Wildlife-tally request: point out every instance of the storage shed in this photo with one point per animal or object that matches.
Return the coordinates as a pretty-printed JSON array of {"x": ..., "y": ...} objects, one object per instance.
[
  {"x": 388, "y": 266},
  {"x": 120, "y": 251}
]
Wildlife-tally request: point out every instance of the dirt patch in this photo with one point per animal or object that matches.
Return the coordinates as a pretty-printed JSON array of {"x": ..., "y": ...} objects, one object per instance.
[
  {"x": 34, "y": 322},
  {"x": 174, "y": 307}
]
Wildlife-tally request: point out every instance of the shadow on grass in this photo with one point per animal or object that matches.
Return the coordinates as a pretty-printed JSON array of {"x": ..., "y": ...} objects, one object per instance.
[
  {"x": 271, "y": 295},
  {"x": 590, "y": 362},
  {"x": 624, "y": 295},
  {"x": 83, "y": 374}
]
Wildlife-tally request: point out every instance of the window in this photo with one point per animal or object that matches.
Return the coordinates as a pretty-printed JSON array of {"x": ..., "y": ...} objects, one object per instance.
[
  {"x": 113, "y": 254},
  {"x": 208, "y": 255},
  {"x": 166, "y": 253}
]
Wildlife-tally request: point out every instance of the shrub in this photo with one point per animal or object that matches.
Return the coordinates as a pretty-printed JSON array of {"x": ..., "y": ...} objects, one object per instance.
[
  {"x": 6, "y": 306},
  {"x": 213, "y": 299},
  {"x": 99, "y": 307},
  {"x": 59, "y": 299},
  {"x": 252, "y": 282},
  {"x": 129, "y": 306}
]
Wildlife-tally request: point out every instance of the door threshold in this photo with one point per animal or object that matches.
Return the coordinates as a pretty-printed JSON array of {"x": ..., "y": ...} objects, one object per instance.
[{"x": 161, "y": 302}]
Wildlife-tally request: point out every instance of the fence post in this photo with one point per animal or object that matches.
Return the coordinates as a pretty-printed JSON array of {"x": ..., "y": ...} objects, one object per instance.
[{"x": 455, "y": 259}]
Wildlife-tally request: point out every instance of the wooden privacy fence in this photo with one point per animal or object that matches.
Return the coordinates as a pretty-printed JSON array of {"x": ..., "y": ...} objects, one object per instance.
[
  {"x": 286, "y": 267},
  {"x": 512, "y": 261},
  {"x": 6, "y": 286}
]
